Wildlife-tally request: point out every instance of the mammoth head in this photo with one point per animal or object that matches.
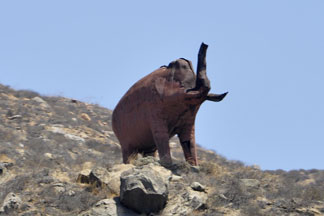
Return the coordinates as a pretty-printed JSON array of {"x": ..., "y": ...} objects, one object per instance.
[{"x": 182, "y": 72}]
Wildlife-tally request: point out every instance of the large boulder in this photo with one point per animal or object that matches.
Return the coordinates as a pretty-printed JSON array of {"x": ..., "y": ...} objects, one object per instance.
[{"x": 143, "y": 189}]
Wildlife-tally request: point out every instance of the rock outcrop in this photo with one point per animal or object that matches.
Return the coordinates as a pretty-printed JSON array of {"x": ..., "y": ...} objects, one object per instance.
[{"x": 143, "y": 190}]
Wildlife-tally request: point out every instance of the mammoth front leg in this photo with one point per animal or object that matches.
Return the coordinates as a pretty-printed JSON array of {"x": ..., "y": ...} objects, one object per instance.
[
  {"x": 188, "y": 144},
  {"x": 161, "y": 139}
]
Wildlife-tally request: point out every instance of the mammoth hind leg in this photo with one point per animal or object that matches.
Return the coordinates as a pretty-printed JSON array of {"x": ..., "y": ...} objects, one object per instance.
[{"x": 128, "y": 155}]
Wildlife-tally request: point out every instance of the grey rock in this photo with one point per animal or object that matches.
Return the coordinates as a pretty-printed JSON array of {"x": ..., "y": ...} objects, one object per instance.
[
  {"x": 14, "y": 117},
  {"x": 249, "y": 183},
  {"x": 71, "y": 193},
  {"x": 83, "y": 176},
  {"x": 185, "y": 203},
  {"x": 6, "y": 164},
  {"x": 143, "y": 190},
  {"x": 164, "y": 173},
  {"x": 103, "y": 178},
  {"x": 175, "y": 178},
  {"x": 103, "y": 207},
  {"x": 59, "y": 129},
  {"x": 42, "y": 103},
  {"x": 114, "y": 177},
  {"x": 2, "y": 169},
  {"x": 74, "y": 137},
  {"x": 197, "y": 200},
  {"x": 59, "y": 187},
  {"x": 146, "y": 160},
  {"x": 108, "y": 207},
  {"x": 222, "y": 196},
  {"x": 11, "y": 202},
  {"x": 98, "y": 177},
  {"x": 31, "y": 213},
  {"x": 197, "y": 186}
]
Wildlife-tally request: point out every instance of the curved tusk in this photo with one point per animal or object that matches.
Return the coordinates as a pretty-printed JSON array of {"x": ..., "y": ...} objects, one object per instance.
[{"x": 216, "y": 97}]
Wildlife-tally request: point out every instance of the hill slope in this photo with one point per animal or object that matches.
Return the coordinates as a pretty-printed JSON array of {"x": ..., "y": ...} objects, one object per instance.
[{"x": 46, "y": 142}]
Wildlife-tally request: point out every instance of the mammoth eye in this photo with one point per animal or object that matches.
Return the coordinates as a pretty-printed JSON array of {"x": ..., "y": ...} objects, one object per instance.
[{"x": 184, "y": 67}]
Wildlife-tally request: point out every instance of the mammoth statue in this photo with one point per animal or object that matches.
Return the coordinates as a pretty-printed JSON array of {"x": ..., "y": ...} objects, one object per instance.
[{"x": 163, "y": 104}]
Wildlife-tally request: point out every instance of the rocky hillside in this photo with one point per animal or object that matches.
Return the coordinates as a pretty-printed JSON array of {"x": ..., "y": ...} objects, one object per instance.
[{"x": 59, "y": 156}]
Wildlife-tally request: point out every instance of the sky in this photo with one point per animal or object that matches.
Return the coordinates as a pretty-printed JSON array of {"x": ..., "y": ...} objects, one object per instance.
[{"x": 269, "y": 56}]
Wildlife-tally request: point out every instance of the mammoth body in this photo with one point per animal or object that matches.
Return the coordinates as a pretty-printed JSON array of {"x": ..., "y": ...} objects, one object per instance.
[{"x": 161, "y": 105}]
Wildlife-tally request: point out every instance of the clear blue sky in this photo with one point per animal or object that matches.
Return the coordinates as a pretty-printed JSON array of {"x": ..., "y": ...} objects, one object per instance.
[{"x": 268, "y": 54}]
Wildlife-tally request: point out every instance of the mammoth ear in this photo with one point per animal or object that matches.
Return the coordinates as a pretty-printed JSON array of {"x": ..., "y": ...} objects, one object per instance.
[{"x": 159, "y": 86}]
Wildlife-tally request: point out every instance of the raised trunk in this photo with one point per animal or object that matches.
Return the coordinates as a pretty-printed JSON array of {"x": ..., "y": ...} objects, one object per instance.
[{"x": 202, "y": 81}]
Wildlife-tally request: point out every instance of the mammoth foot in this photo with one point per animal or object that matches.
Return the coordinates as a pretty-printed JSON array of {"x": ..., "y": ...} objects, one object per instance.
[
  {"x": 192, "y": 162},
  {"x": 189, "y": 150},
  {"x": 166, "y": 161}
]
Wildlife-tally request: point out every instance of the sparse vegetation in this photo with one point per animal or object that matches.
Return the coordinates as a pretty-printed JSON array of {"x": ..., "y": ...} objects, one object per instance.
[{"x": 25, "y": 94}]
